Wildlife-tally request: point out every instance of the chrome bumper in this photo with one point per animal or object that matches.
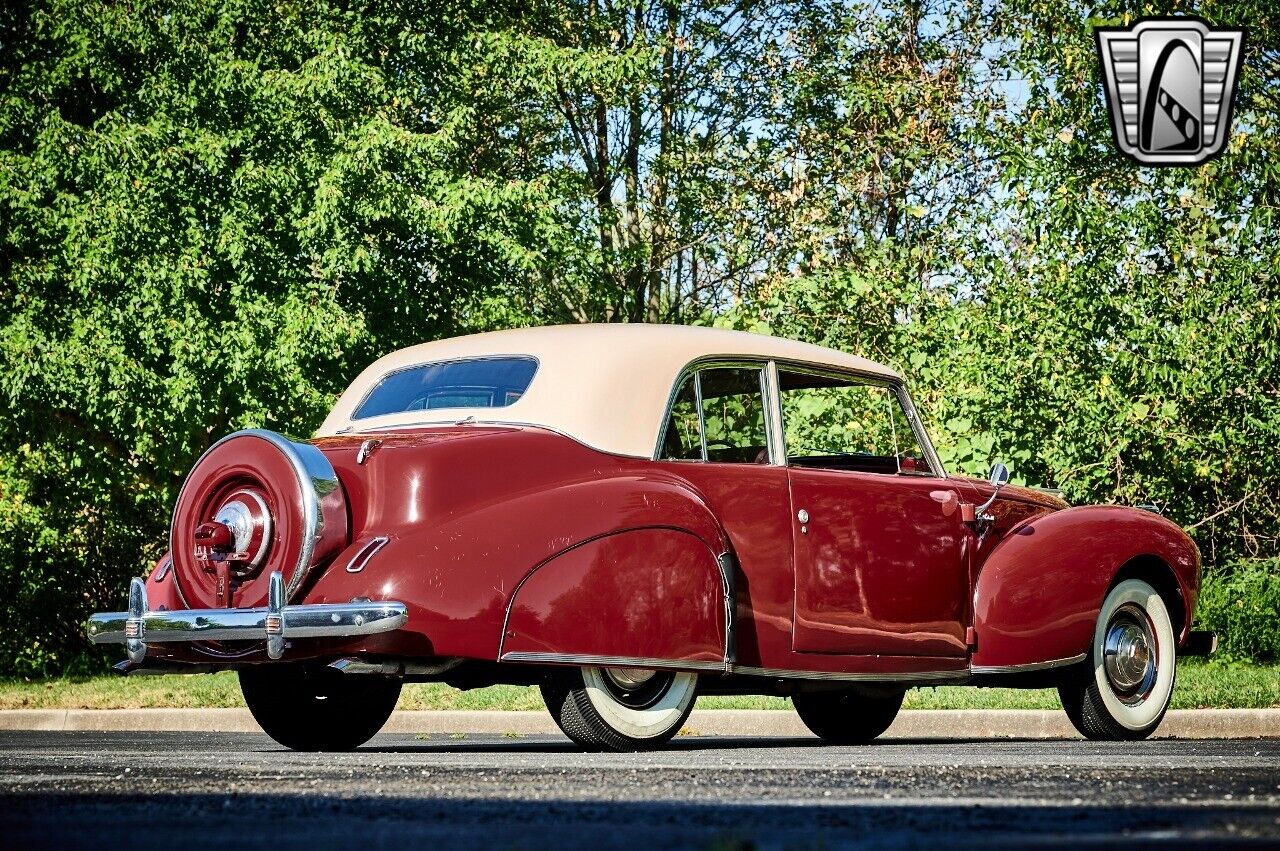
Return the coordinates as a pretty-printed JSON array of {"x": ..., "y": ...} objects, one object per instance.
[{"x": 139, "y": 626}]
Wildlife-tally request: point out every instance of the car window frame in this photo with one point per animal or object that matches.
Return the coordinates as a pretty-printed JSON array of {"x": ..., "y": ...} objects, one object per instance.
[
  {"x": 897, "y": 390},
  {"x": 773, "y": 408},
  {"x": 694, "y": 370}
]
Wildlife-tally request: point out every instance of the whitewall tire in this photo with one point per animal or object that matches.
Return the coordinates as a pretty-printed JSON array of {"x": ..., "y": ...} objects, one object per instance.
[
  {"x": 621, "y": 709},
  {"x": 1125, "y": 688}
]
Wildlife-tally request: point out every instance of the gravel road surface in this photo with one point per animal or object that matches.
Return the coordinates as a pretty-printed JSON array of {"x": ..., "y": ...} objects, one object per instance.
[{"x": 190, "y": 791}]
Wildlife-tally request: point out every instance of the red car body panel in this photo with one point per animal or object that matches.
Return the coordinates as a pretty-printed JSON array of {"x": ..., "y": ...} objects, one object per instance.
[
  {"x": 643, "y": 593},
  {"x": 509, "y": 541},
  {"x": 1040, "y": 587},
  {"x": 880, "y": 566}
]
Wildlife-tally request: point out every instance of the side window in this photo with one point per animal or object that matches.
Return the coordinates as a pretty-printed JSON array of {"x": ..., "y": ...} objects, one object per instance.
[
  {"x": 733, "y": 415},
  {"x": 846, "y": 424},
  {"x": 683, "y": 438}
]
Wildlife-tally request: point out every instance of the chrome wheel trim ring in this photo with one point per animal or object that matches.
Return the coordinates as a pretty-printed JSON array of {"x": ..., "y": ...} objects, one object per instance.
[
  {"x": 1137, "y": 711},
  {"x": 1129, "y": 654}
]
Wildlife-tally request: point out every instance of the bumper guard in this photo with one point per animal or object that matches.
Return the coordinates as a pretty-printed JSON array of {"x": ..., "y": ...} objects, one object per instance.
[{"x": 139, "y": 626}]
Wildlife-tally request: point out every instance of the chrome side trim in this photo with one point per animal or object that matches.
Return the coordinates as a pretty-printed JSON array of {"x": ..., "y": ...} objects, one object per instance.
[
  {"x": 394, "y": 668},
  {"x": 726, "y": 563},
  {"x": 361, "y": 559},
  {"x": 611, "y": 661},
  {"x": 913, "y": 676},
  {"x": 1027, "y": 668},
  {"x": 275, "y": 622},
  {"x": 744, "y": 670}
]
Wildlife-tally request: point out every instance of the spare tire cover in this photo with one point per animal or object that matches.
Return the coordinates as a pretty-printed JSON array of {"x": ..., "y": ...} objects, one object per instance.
[{"x": 275, "y": 505}]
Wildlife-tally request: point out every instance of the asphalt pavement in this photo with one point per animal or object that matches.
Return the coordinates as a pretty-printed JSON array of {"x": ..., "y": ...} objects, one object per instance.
[{"x": 201, "y": 790}]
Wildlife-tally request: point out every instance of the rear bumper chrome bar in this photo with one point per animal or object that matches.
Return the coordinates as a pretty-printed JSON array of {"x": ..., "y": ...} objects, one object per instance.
[{"x": 139, "y": 626}]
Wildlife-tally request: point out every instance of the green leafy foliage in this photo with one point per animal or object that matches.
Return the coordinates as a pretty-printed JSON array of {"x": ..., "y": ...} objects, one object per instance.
[
  {"x": 1242, "y": 604},
  {"x": 214, "y": 212}
]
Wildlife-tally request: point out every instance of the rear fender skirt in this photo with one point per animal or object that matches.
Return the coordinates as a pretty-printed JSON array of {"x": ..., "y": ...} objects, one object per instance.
[
  {"x": 654, "y": 593},
  {"x": 1039, "y": 592}
]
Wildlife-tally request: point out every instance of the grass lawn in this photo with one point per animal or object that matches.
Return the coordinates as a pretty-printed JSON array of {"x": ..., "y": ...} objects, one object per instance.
[{"x": 1200, "y": 685}]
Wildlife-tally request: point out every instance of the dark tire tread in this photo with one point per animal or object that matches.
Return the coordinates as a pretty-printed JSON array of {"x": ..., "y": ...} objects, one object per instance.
[
  {"x": 571, "y": 708},
  {"x": 848, "y": 717},
  {"x": 1082, "y": 701},
  {"x": 286, "y": 702}
]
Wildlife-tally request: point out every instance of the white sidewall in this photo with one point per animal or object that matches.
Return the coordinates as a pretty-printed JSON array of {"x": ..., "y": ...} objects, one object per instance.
[
  {"x": 1144, "y": 714},
  {"x": 656, "y": 720}
]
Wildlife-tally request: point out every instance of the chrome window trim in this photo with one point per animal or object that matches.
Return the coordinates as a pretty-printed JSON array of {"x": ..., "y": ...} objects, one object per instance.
[
  {"x": 922, "y": 435},
  {"x": 897, "y": 387},
  {"x": 694, "y": 368},
  {"x": 537, "y": 364}
]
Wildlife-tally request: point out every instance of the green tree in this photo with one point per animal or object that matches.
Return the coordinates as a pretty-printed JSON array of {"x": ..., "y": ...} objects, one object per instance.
[{"x": 212, "y": 214}]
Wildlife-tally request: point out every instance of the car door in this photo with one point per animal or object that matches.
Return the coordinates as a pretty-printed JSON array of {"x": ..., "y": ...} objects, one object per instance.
[{"x": 880, "y": 560}]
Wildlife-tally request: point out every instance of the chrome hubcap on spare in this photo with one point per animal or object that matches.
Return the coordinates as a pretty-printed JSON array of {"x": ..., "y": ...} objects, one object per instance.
[
  {"x": 635, "y": 687},
  {"x": 1129, "y": 654}
]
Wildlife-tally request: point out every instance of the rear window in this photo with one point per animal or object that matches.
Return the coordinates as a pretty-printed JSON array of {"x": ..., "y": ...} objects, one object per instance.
[{"x": 479, "y": 383}]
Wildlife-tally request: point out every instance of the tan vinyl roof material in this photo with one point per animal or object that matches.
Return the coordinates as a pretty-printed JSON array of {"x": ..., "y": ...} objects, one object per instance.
[{"x": 604, "y": 385}]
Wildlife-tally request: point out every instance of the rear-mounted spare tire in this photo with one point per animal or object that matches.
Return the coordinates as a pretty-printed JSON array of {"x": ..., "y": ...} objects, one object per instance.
[{"x": 256, "y": 502}]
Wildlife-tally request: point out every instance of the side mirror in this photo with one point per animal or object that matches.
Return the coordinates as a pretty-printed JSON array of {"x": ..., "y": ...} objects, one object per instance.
[
  {"x": 999, "y": 475},
  {"x": 998, "y": 478}
]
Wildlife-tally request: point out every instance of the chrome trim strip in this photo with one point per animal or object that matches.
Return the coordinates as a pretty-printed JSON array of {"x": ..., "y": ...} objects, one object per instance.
[
  {"x": 610, "y": 661},
  {"x": 365, "y": 554},
  {"x": 726, "y": 562},
  {"x": 319, "y": 620},
  {"x": 1030, "y": 666},
  {"x": 912, "y": 676},
  {"x": 744, "y": 670},
  {"x": 702, "y": 419},
  {"x": 773, "y": 416},
  {"x": 922, "y": 435}
]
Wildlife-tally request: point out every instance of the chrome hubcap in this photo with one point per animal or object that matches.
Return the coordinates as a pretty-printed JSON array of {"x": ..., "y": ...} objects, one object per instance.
[
  {"x": 1129, "y": 654},
  {"x": 629, "y": 679},
  {"x": 635, "y": 687}
]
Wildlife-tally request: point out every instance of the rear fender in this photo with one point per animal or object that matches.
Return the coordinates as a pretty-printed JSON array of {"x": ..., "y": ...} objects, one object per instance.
[
  {"x": 653, "y": 596},
  {"x": 459, "y": 576},
  {"x": 1038, "y": 594}
]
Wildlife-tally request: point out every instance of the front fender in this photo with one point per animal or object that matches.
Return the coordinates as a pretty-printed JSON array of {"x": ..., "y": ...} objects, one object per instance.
[{"x": 1039, "y": 592}]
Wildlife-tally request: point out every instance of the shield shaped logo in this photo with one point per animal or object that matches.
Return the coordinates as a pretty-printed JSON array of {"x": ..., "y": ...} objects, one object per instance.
[{"x": 1170, "y": 84}]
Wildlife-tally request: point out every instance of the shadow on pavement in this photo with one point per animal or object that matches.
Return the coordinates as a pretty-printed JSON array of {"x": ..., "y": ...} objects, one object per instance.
[{"x": 140, "y": 821}]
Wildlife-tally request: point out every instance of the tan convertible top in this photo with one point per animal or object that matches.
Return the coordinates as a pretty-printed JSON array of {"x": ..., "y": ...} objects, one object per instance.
[{"x": 604, "y": 385}]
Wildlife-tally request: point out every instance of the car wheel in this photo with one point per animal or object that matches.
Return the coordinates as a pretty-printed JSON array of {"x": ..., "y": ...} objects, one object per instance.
[
  {"x": 850, "y": 717},
  {"x": 1124, "y": 689},
  {"x": 621, "y": 709},
  {"x": 317, "y": 709}
]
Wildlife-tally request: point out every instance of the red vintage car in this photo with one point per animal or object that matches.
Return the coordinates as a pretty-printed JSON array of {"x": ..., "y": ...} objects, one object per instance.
[{"x": 629, "y": 516}]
